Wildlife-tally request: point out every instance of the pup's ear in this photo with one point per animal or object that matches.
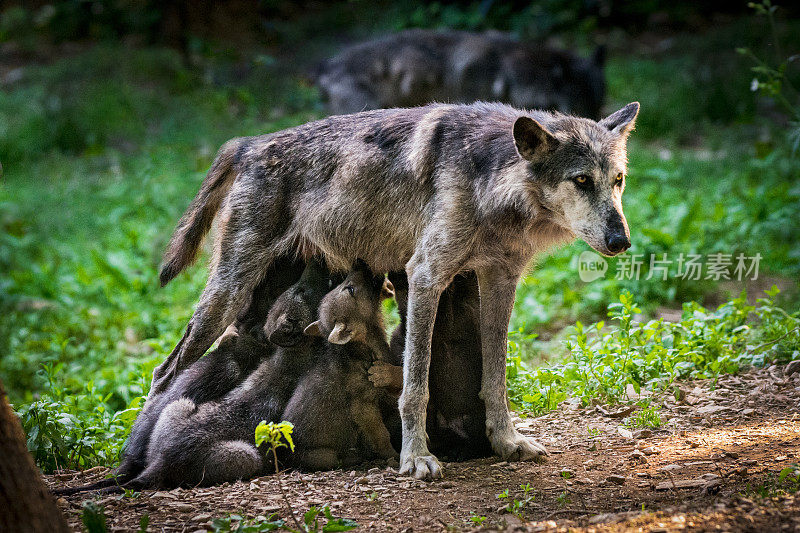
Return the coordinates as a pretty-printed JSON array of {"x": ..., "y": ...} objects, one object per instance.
[
  {"x": 531, "y": 139},
  {"x": 340, "y": 334},
  {"x": 623, "y": 121},
  {"x": 387, "y": 291},
  {"x": 313, "y": 330}
]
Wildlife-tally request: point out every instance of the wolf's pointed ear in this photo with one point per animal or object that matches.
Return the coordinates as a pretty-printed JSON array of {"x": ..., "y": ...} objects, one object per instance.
[
  {"x": 531, "y": 139},
  {"x": 312, "y": 330},
  {"x": 387, "y": 291},
  {"x": 623, "y": 121},
  {"x": 340, "y": 334}
]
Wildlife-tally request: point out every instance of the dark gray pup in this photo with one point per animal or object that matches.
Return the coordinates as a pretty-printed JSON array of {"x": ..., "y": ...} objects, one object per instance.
[
  {"x": 436, "y": 191},
  {"x": 335, "y": 409},
  {"x": 212, "y": 442},
  {"x": 416, "y": 67},
  {"x": 456, "y": 416}
]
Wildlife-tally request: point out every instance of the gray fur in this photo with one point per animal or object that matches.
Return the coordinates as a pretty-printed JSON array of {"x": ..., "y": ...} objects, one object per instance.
[
  {"x": 416, "y": 67},
  {"x": 319, "y": 386},
  {"x": 456, "y": 416},
  {"x": 437, "y": 191},
  {"x": 335, "y": 409},
  {"x": 189, "y": 442}
]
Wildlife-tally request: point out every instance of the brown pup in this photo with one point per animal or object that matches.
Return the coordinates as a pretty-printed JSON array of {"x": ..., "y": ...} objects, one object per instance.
[
  {"x": 195, "y": 443},
  {"x": 335, "y": 408}
]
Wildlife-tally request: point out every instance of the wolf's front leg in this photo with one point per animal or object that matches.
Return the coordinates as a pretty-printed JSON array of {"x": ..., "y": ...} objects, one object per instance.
[
  {"x": 423, "y": 299},
  {"x": 497, "y": 289}
]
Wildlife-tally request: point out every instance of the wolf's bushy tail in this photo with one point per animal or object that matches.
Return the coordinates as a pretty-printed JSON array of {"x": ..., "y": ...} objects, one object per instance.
[{"x": 196, "y": 221}]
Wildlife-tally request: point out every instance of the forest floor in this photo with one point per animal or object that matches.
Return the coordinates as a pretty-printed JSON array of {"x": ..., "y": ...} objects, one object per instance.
[{"x": 713, "y": 465}]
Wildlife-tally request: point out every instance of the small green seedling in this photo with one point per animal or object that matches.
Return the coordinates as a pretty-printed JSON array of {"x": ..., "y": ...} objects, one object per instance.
[
  {"x": 275, "y": 436},
  {"x": 477, "y": 519}
]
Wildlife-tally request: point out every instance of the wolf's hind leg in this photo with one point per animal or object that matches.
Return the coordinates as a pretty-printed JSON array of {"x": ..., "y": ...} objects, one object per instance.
[
  {"x": 319, "y": 459},
  {"x": 367, "y": 417},
  {"x": 242, "y": 262}
]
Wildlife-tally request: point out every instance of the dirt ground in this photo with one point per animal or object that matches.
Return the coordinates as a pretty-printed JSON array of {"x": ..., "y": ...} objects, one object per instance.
[{"x": 712, "y": 466}]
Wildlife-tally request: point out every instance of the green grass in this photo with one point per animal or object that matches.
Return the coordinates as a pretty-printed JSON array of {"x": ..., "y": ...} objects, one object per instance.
[{"x": 103, "y": 150}]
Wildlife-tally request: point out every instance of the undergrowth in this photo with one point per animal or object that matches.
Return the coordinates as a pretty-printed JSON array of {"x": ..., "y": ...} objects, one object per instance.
[{"x": 604, "y": 359}]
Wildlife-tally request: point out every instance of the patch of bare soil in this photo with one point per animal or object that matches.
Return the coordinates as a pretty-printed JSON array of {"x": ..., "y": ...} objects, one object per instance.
[{"x": 713, "y": 465}]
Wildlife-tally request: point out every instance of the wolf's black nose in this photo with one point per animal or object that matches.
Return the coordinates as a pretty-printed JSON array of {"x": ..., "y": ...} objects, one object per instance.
[{"x": 617, "y": 243}]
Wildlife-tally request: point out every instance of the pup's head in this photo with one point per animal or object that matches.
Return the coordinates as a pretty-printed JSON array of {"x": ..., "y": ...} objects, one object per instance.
[
  {"x": 296, "y": 308},
  {"x": 347, "y": 312},
  {"x": 579, "y": 166}
]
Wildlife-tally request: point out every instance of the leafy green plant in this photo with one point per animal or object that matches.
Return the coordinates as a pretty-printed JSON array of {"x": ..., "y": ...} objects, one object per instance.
[
  {"x": 563, "y": 499},
  {"x": 311, "y": 521},
  {"x": 648, "y": 417},
  {"x": 237, "y": 524},
  {"x": 771, "y": 75},
  {"x": 790, "y": 477},
  {"x": 275, "y": 436},
  {"x": 602, "y": 362},
  {"x": 477, "y": 519},
  {"x": 516, "y": 506}
]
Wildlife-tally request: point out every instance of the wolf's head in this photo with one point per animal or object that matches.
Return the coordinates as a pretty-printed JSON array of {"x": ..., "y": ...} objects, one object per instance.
[{"x": 579, "y": 166}]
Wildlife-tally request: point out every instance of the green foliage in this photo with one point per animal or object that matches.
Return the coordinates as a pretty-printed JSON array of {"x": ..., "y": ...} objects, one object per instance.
[
  {"x": 93, "y": 517},
  {"x": 790, "y": 477},
  {"x": 76, "y": 431},
  {"x": 311, "y": 521},
  {"x": 315, "y": 520},
  {"x": 787, "y": 481},
  {"x": 516, "y": 506},
  {"x": 648, "y": 417},
  {"x": 477, "y": 519},
  {"x": 771, "y": 78},
  {"x": 602, "y": 361},
  {"x": 276, "y": 435}
]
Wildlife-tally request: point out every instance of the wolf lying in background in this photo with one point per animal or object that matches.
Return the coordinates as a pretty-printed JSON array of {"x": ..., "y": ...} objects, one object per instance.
[
  {"x": 317, "y": 380},
  {"x": 416, "y": 67},
  {"x": 437, "y": 191}
]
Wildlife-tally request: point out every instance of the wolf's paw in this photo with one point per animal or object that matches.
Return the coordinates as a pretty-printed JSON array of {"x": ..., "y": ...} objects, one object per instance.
[
  {"x": 513, "y": 446},
  {"x": 425, "y": 467}
]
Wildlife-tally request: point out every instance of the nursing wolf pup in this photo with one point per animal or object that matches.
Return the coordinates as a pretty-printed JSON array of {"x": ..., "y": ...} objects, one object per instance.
[
  {"x": 321, "y": 380},
  {"x": 437, "y": 191},
  {"x": 416, "y": 67},
  {"x": 335, "y": 409},
  {"x": 212, "y": 442}
]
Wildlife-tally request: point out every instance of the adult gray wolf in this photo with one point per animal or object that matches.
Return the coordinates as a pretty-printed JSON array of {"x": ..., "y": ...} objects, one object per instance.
[
  {"x": 416, "y": 67},
  {"x": 436, "y": 191}
]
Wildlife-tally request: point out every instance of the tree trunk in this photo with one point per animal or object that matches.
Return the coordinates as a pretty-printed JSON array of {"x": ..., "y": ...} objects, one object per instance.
[{"x": 25, "y": 503}]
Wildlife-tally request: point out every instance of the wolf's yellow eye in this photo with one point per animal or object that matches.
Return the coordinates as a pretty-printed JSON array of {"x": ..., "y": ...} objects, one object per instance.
[
  {"x": 581, "y": 179},
  {"x": 618, "y": 180}
]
